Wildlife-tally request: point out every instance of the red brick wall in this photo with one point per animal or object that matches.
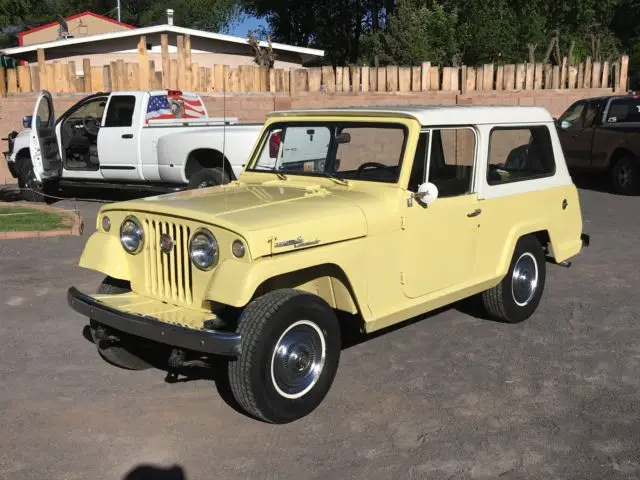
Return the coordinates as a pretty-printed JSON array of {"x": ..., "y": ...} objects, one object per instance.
[{"x": 253, "y": 108}]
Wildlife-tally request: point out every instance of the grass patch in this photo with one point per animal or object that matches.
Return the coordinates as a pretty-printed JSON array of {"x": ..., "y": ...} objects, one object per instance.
[{"x": 14, "y": 219}]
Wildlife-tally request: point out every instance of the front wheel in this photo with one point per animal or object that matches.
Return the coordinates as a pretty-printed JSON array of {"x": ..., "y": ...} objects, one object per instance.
[
  {"x": 625, "y": 176},
  {"x": 517, "y": 296},
  {"x": 290, "y": 353},
  {"x": 31, "y": 190},
  {"x": 209, "y": 177}
]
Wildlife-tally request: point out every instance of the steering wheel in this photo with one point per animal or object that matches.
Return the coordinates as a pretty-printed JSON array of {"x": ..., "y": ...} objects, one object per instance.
[
  {"x": 371, "y": 164},
  {"x": 91, "y": 125}
]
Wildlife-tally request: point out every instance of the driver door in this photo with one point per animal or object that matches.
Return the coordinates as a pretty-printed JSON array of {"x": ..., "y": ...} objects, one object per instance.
[
  {"x": 440, "y": 239},
  {"x": 43, "y": 144}
]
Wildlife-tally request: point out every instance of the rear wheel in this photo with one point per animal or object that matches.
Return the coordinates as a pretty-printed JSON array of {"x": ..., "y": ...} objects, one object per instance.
[
  {"x": 117, "y": 348},
  {"x": 517, "y": 296},
  {"x": 625, "y": 176},
  {"x": 290, "y": 352},
  {"x": 209, "y": 177}
]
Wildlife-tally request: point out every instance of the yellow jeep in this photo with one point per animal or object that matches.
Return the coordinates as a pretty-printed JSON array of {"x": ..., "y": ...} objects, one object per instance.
[{"x": 381, "y": 213}]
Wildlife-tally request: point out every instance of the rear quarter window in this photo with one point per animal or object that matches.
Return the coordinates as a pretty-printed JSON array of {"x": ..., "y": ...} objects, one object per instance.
[
  {"x": 624, "y": 110},
  {"x": 519, "y": 153}
]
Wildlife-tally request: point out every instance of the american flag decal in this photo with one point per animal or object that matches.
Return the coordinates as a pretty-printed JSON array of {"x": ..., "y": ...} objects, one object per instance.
[{"x": 163, "y": 107}]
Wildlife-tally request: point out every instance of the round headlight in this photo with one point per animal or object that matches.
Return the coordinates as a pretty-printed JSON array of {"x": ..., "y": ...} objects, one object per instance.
[
  {"x": 131, "y": 235},
  {"x": 237, "y": 247},
  {"x": 203, "y": 249},
  {"x": 106, "y": 223}
]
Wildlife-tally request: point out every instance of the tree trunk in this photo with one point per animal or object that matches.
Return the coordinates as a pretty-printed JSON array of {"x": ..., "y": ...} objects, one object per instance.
[{"x": 532, "y": 52}]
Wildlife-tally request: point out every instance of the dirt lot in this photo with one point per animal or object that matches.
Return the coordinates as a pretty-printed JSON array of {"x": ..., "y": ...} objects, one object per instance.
[{"x": 450, "y": 396}]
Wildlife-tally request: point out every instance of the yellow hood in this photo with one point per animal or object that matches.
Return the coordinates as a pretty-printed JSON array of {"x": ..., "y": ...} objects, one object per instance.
[{"x": 266, "y": 215}]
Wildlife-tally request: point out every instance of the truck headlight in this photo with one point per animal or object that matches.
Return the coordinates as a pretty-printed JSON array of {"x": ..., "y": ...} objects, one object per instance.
[
  {"x": 131, "y": 235},
  {"x": 203, "y": 249}
]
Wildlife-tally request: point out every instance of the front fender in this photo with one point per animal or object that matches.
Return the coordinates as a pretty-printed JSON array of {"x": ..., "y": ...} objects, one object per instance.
[
  {"x": 104, "y": 253},
  {"x": 234, "y": 283}
]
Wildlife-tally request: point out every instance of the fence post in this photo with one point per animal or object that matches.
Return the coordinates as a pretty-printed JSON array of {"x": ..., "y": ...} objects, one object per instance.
[
  {"x": 624, "y": 72},
  {"x": 143, "y": 61},
  {"x": 164, "y": 48}
]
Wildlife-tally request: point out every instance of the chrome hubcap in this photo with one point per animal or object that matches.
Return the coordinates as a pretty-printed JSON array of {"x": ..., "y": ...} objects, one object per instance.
[
  {"x": 624, "y": 175},
  {"x": 524, "y": 280},
  {"x": 298, "y": 359}
]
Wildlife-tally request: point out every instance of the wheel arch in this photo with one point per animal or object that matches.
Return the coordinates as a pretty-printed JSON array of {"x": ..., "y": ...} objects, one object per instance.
[
  {"x": 206, "y": 158},
  {"x": 542, "y": 234},
  {"x": 617, "y": 154}
]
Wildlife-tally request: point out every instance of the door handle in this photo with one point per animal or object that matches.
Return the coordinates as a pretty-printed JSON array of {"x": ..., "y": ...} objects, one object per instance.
[
  {"x": 127, "y": 135},
  {"x": 475, "y": 213}
]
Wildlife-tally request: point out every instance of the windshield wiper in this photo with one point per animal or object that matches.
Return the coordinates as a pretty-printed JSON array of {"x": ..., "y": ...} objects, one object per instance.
[{"x": 341, "y": 181}]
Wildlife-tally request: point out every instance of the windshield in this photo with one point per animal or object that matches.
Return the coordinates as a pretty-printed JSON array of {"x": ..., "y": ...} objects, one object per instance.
[{"x": 347, "y": 150}]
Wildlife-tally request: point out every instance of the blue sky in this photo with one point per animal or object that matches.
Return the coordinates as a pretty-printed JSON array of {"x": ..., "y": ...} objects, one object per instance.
[{"x": 250, "y": 23}]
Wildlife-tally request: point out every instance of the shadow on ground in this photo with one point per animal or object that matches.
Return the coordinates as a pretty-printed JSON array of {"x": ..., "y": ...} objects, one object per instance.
[
  {"x": 596, "y": 182},
  {"x": 150, "y": 472}
]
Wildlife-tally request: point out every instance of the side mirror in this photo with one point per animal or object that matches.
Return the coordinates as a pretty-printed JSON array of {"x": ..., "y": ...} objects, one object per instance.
[
  {"x": 26, "y": 121},
  {"x": 564, "y": 125},
  {"x": 343, "y": 138},
  {"x": 427, "y": 194}
]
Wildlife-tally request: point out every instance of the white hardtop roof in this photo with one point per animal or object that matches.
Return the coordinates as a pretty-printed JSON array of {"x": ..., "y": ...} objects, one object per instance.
[
  {"x": 436, "y": 114},
  {"x": 156, "y": 29}
]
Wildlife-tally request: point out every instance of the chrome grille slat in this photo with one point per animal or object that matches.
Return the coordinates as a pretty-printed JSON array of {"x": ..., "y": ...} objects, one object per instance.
[{"x": 168, "y": 276}]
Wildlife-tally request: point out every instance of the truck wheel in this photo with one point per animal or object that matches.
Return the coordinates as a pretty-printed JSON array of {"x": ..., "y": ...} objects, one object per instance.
[
  {"x": 118, "y": 352},
  {"x": 208, "y": 177},
  {"x": 31, "y": 189},
  {"x": 290, "y": 353},
  {"x": 626, "y": 176},
  {"x": 517, "y": 296}
]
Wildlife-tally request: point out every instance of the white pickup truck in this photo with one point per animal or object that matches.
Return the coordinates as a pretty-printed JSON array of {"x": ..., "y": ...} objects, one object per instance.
[{"x": 112, "y": 140}]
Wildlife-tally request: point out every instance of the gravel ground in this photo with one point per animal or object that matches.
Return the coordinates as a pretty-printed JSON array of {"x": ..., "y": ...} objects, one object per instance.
[{"x": 449, "y": 396}]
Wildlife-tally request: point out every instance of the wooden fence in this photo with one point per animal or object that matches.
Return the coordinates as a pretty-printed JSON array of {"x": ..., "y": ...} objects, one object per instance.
[{"x": 177, "y": 71}]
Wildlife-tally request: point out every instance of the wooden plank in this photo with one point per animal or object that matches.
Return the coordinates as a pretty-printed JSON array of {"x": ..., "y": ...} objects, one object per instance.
[
  {"x": 208, "y": 79},
  {"x": 182, "y": 64},
  {"x": 132, "y": 75},
  {"x": 416, "y": 79},
  {"x": 382, "y": 80},
  {"x": 234, "y": 80},
  {"x": 548, "y": 75},
  {"x": 166, "y": 61},
  {"x": 538, "y": 77},
  {"x": 339, "y": 74},
  {"x": 479, "y": 80},
  {"x": 96, "y": 78},
  {"x": 426, "y": 77},
  {"x": 24, "y": 79},
  {"x": 302, "y": 82},
  {"x": 624, "y": 72},
  {"x": 555, "y": 77},
  {"x": 587, "y": 73},
  {"x": 106, "y": 78},
  {"x": 615, "y": 71},
  {"x": 364, "y": 78},
  {"x": 487, "y": 77},
  {"x": 328, "y": 79},
  {"x": 528, "y": 83},
  {"x": 158, "y": 80},
  {"x": 196, "y": 84},
  {"x": 35, "y": 78},
  {"x": 520, "y": 76},
  {"x": 564, "y": 72},
  {"x": 355, "y": 79},
  {"x": 572, "y": 76},
  {"x": 392, "y": 78},
  {"x": 509, "y": 77},
  {"x": 71, "y": 76},
  {"x": 455, "y": 79},
  {"x": 292, "y": 81},
  {"x": 605, "y": 75},
  {"x": 404, "y": 79},
  {"x": 143, "y": 62},
  {"x": 87, "y": 73},
  {"x": 58, "y": 80},
  {"x": 173, "y": 72},
  {"x": 217, "y": 78},
  {"x": 188, "y": 62},
  {"x": 113, "y": 84},
  {"x": 434, "y": 78},
  {"x": 121, "y": 76},
  {"x": 42, "y": 69},
  {"x": 244, "y": 80},
  {"x": 3, "y": 82},
  {"x": 469, "y": 84},
  {"x": 264, "y": 78},
  {"x": 499, "y": 78},
  {"x": 346, "y": 79},
  {"x": 373, "y": 79},
  {"x": 446, "y": 79},
  {"x": 12, "y": 80},
  {"x": 226, "y": 78},
  {"x": 280, "y": 85},
  {"x": 596, "y": 75},
  {"x": 581, "y": 75}
]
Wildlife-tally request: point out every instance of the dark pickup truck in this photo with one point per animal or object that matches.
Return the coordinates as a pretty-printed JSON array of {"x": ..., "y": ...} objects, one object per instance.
[{"x": 602, "y": 134}]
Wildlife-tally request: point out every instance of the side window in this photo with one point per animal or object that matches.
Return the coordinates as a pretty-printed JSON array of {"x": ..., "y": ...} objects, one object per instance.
[
  {"x": 519, "y": 153},
  {"x": 419, "y": 166},
  {"x": 592, "y": 110},
  {"x": 44, "y": 114},
  {"x": 573, "y": 115},
  {"x": 120, "y": 111},
  {"x": 93, "y": 108},
  {"x": 624, "y": 110},
  {"x": 451, "y": 161}
]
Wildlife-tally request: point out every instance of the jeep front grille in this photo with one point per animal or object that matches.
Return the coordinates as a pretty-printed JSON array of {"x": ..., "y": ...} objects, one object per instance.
[{"x": 168, "y": 275}]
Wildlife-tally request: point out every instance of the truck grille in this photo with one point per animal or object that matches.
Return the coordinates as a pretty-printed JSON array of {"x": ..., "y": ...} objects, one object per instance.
[{"x": 168, "y": 275}]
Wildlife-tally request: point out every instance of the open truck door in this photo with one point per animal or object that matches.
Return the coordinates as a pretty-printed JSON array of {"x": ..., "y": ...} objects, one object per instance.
[{"x": 46, "y": 164}]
